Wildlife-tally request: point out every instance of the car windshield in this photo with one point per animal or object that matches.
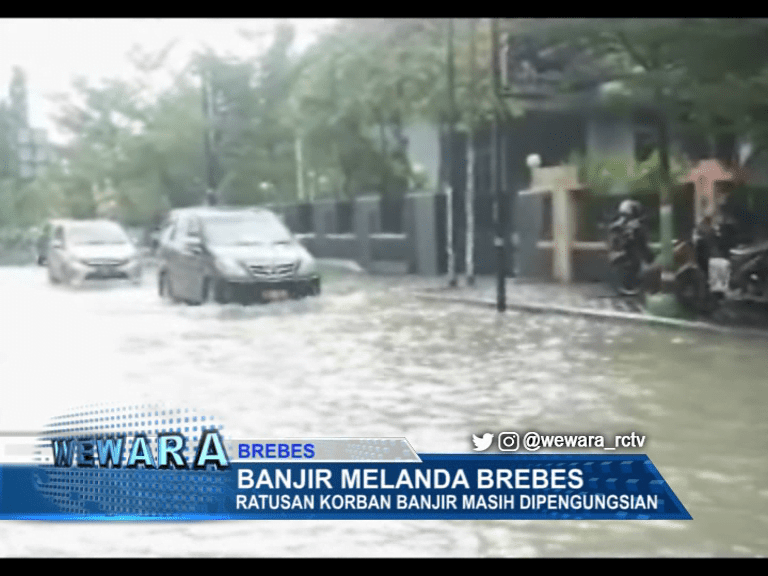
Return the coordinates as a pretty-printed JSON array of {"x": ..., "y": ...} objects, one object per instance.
[
  {"x": 96, "y": 233},
  {"x": 245, "y": 230}
]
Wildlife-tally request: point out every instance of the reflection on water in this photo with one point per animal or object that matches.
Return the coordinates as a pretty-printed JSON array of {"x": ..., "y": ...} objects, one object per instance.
[{"x": 367, "y": 359}]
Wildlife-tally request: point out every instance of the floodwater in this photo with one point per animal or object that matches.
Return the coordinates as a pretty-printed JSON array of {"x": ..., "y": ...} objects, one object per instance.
[{"x": 367, "y": 359}]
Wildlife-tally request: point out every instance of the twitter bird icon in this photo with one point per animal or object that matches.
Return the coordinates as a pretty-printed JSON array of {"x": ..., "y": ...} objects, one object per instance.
[{"x": 482, "y": 443}]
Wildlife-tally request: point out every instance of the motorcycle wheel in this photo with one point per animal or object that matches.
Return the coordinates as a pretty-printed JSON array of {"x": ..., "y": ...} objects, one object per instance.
[
  {"x": 713, "y": 302},
  {"x": 624, "y": 278},
  {"x": 691, "y": 289}
]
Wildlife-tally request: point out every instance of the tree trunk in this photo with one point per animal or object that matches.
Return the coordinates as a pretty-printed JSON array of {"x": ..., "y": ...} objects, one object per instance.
[
  {"x": 385, "y": 159},
  {"x": 666, "y": 223},
  {"x": 470, "y": 195}
]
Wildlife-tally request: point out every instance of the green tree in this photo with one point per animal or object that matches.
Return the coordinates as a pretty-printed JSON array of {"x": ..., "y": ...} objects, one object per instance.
[
  {"x": 18, "y": 99},
  {"x": 251, "y": 123},
  {"x": 7, "y": 164},
  {"x": 357, "y": 88},
  {"x": 146, "y": 149}
]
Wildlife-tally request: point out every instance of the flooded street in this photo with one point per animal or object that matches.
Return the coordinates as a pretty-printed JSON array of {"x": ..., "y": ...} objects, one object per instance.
[{"x": 368, "y": 359}]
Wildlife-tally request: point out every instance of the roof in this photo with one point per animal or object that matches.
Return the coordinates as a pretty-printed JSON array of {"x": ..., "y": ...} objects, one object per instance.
[{"x": 716, "y": 171}]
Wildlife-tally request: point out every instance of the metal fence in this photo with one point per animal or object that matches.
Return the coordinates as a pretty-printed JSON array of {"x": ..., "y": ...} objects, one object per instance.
[
  {"x": 345, "y": 217},
  {"x": 391, "y": 210}
]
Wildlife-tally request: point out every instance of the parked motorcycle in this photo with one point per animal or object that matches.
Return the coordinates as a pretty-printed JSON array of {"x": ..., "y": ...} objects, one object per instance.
[
  {"x": 726, "y": 263},
  {"x": 735, "y": 269},
  {"x": 721, "y": 260}
]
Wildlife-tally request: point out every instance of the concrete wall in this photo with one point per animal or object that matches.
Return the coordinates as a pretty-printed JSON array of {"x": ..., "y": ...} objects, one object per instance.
[
  {"x": 392, "y": 247},
  {"x": 419, "y": 220},
  {"x": 590, "y": 265},
  {"x": 531, "y": 262},
  {"x": 421, "y": 248},
  {"x": 412, "y": 251},
  {"x": 365, "y": 222},
  {"x": 341, "y": 246}
]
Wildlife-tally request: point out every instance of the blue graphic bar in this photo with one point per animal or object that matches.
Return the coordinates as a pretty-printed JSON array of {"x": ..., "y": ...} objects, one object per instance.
[{"x": 438, "y": 487}]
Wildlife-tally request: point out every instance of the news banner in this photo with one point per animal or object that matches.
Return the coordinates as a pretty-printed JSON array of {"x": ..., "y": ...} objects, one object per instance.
[{"x": 139, "y": 463}]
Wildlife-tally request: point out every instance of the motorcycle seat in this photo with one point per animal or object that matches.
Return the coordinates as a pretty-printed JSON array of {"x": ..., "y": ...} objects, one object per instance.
[{"x": 750, "y": 250}]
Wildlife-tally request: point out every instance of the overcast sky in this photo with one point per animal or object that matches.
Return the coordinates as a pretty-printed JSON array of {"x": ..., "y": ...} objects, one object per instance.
[{"x": 54, "y": 51}]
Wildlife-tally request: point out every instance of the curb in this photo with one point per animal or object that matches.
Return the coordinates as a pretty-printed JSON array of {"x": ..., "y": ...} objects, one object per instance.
[{"x": 599, "y": 314}]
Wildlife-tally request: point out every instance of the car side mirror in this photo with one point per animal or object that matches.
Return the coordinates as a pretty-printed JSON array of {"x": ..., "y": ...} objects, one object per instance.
[
  {"x": 194, "y": 245},
  {"x": 57, "y": 244}
]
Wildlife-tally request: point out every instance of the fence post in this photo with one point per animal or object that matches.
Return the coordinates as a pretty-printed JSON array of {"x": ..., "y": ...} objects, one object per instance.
[
  {"x": 561, "y": 180},
  {"x": 364, "y": 207},
  {"x": 422, "y": 231}
]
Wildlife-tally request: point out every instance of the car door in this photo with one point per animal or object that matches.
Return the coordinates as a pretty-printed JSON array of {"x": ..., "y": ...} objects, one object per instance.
[
  {"x": 173, "y": 253},
  {"x": 195, "y": 257},
  {"x": 188, "y": 259},
  {"x": 166, "y": 249}
]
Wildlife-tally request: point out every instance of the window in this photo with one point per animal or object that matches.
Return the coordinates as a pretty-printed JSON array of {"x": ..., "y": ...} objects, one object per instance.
[
  {"x": 58, "y": 234},
  {"x": 193, "y": 227},
  {"x": 168, "y": 231}
]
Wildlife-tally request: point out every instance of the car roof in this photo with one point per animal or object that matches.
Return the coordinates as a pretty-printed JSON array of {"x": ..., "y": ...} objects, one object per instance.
[
  {"x": 70, "y": 221},
  {"x": 219, "y": 210}
]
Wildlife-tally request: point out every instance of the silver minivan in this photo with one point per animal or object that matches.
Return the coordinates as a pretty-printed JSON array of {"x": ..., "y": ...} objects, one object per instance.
[
  {"x": 232, "y": 255},
  {"x": 81, "y": 250}
]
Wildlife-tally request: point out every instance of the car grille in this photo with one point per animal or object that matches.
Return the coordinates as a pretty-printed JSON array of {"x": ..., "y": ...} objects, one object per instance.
[
  {"x": 272, "y": 271},
  {"x": 105, "y": 262}
]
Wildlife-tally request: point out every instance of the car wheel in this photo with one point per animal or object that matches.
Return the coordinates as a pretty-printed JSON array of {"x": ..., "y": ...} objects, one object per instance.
[
  {"x": 66, "y": 276},
  {"x": 215, "y": 292},
  {"x": 164, "y": 288},
  {"x": 208, "y": 296},
  {"x": 299, "y": 292}
]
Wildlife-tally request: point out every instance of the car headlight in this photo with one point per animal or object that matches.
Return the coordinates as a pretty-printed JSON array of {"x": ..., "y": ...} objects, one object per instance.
[
  {"x": 230, "y": 267},
  {"x": 307, "y": 266}
]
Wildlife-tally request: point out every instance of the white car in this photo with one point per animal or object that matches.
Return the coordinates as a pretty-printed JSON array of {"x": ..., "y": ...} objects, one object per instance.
[{"x": 82, "y": 250}]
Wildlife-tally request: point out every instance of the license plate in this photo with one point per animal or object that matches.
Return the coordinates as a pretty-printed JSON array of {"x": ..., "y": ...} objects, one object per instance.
[
  {"x": 275, "y": 294},
  {"x": 719, "y": 274}
]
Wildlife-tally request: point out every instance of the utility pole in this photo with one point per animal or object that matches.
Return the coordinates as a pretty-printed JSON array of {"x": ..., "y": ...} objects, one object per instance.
[
  {"x": 299, "y": 166},
  {"x": 500, "y": 241},
  {"x": 470, "y": 192},
  {"x": 210, "y": 194},
  {"x": 449, "y": 161},
  {"x": 298, "y": 147},
  {"x": 664, "y": 303}
]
